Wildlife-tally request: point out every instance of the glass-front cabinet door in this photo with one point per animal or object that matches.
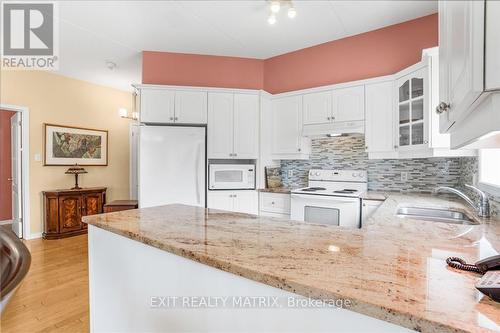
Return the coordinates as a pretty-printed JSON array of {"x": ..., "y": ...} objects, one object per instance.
[{"x": 412, "y": 128}]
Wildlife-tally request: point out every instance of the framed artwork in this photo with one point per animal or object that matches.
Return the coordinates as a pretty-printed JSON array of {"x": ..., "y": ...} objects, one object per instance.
[{"x": 67, "y": 145}]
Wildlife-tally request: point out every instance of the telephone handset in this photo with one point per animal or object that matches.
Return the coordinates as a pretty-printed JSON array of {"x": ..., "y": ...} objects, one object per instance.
[
  {"x": 482, "y": 266},
  {"x": 490, "y": 267}
]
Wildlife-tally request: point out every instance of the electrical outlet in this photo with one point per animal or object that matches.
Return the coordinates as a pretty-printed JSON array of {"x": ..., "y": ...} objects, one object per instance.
[
  {"x": 38, "y": 157},
  {"x": 290, "y": 173},
  {"x": 404, "y": 176}
]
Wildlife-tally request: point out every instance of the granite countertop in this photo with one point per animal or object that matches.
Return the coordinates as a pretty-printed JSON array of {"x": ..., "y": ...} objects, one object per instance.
[
  {"x": 283, "y": 190},
  {"x": 391, "y": 269}
]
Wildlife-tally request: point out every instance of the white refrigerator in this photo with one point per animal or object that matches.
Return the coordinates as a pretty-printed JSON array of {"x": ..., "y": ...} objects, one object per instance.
[{"x": 172, "y": 165}]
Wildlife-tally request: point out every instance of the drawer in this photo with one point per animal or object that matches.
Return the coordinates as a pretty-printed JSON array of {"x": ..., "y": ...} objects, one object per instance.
[
  {"x": 275, "y": 202},
  {"x": 278, "y": 215}
]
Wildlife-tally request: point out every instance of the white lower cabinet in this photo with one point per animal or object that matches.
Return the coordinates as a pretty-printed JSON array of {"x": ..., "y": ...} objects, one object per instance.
[
  {"x": 234, "y": 201},
  {"x": 368, "y": 208},
  {"x": 274, "y": 204}
]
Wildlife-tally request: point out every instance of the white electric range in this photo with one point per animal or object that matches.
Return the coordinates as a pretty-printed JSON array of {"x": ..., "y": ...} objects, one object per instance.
[{"x": 333, "y": 197}]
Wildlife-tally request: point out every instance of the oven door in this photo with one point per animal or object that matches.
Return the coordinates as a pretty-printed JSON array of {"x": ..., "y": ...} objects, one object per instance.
[
  {"x": 229, "y": 177},
  {"x": 329, "y": 210}
]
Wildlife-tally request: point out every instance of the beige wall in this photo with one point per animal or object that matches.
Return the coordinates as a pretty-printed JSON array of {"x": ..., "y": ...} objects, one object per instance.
[{"x": 60, "y": 100}]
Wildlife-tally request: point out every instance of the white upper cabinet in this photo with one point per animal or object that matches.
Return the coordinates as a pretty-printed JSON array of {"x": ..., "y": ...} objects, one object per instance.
[
  {"x": 469, "y": 74},
  {"x": 164, "y": 105},
  {"x": 461, "y": 43},
  {"x": 317, "y": 108},
  {"x": 220, "y": 125},
  {"x": 379, "y": 122},
  {"x": 191, "y": 107},
  {"x": 233, "y": 125},
  {"x": 287, "y": 140},
  {"x": 349, "y": 104},
  {"x": 157, "y": 105},
  {"x": 246, "y": 126},
  {"x": 412, "y": 109}
]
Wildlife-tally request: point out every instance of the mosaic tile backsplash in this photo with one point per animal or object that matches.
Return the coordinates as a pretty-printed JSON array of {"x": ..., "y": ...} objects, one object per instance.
[
  {"x": 424, "y": 174},
  {"x": 349, "y": 153}
]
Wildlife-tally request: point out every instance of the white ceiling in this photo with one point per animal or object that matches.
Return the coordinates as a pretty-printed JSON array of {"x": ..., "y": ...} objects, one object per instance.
[{"x": 94, "y": 31}]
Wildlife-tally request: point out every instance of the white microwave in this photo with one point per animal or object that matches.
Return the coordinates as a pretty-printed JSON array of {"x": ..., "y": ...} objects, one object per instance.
[{"x": 231, "y": 176}]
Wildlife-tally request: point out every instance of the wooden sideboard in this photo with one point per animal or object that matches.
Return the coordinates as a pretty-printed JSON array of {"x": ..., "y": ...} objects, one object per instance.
[
  {"x": 63, "y": 210},
  {"x": 120, "y": 205}
]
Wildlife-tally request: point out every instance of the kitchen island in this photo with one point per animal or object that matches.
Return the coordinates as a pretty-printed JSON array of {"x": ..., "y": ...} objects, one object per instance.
[{"x": 153, "y": 269}]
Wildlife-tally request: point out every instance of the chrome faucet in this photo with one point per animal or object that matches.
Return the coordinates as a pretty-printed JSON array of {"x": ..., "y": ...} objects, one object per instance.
[{"x": 482, "y": 209}]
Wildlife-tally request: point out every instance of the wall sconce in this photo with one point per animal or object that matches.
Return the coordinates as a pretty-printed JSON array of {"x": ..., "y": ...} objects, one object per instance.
[{"x": 124, "y": 114}]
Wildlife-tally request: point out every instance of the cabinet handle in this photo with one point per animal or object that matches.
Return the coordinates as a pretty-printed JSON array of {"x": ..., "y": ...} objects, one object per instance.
[
  {"x": 176, "y": 118},
  {"x": 171, "y": 118},
  {"x": 327, "y": 118},
  {"x": 299, "y": 149},
  {"x": 333, "y": 118},
  {"x": 366, "y": 147},
  {"x": 235, "y": 154},
  {"x": 426, "y": 142},
  {"x": 442, "y": 107},
  {"x": 272, "y": 202},
  {"x": 396, "y": 146}
]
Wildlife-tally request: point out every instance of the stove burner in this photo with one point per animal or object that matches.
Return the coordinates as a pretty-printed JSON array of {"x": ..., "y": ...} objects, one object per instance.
[
  {"x": 345, "y": 191},
  {"x": 313, "y": 189}
]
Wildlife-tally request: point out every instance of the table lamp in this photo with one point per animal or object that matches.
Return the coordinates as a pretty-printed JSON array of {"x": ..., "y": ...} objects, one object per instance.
[{"x": 76, "y": 170}]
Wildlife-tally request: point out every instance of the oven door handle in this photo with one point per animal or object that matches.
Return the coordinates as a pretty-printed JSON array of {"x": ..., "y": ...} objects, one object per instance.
[{"x": 330, "y": 198}]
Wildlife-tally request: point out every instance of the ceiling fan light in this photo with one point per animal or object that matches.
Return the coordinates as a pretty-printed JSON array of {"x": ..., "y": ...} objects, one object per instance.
[
  {"x": 292, "y": 12},
  {"x": 275, "y": 6},
  {"x": 272, "y": 19}
]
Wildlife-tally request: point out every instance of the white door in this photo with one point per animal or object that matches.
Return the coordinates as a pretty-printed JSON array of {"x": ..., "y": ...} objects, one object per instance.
[
  {"x": 317, "y": 108},
  {"x": 246, "y": 202},
  {"x": 246, "y": 126},
  {"x": 157, "y": 105},
  {"x": 220, "y": 125},
  {"x": 349, "y": 104},
  {"x": 287, "y": 124},
  {"x": 191, "y": 107},
  {"x": 461, "y": 53},
  {"x": 16, "y": 144},
  {"x": 379, "y": 122},
  {"x": 223, "y": 200}
]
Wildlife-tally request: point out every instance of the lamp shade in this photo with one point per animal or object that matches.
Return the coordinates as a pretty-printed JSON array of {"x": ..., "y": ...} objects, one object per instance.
[{"x": 75, "y": 170}]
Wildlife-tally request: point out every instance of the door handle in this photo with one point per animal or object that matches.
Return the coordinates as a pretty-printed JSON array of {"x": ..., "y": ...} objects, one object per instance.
[{"x": 9, "y": 179}]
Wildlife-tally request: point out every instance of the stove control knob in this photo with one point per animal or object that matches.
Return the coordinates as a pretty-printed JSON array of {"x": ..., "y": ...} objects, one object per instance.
[{"x": 317, "y": 173}]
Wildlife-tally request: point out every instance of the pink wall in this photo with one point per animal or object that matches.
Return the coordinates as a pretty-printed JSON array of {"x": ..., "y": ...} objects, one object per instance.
[
  {"x": 375, "y": 53},
  {"x": 5, "y": 166},
  {"x": 201, "y": 70}
]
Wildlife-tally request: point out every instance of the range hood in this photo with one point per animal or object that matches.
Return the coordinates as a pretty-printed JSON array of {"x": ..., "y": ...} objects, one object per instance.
[{"x": 333, "y": 129}]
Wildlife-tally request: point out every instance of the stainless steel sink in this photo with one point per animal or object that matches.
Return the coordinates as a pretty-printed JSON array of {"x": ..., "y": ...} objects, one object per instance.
[{"x": 435, "y": 215}]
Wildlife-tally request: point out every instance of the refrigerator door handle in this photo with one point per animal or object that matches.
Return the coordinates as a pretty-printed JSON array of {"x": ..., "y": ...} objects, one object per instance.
[{"x": 198, "y": 153}]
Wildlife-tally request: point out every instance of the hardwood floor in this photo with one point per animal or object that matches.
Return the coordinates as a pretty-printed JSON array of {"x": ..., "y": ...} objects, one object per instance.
[{"x": 54, "y": 295}]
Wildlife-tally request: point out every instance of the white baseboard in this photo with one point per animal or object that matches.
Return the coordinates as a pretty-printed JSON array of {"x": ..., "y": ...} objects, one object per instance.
[
  {"x": 5, "y": 222},
  {"x": 34, "y": 235}
]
